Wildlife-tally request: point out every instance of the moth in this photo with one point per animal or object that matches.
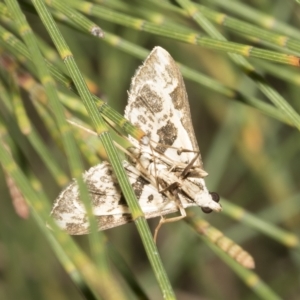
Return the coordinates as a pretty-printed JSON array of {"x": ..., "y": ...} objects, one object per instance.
[{"x": 166, "y": 172}]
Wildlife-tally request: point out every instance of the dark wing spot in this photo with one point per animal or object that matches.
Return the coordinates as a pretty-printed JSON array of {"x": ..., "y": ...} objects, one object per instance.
[
  {"x": 138, "y": 186},
  {"x": 105, "y": 221},
  {"x": 149, "y": 99},
  {"x": 127, "y": 218},
  {"x": 109, "y": 172},
  {"x": 176, "y": 96},
  {"x": 105, "y": 179},
  {"x": 141, "y": 119},
  {"x": 167, "y": 135},
  {"x": 150, "y": 198},
  {"x": 122, "y": 201}
]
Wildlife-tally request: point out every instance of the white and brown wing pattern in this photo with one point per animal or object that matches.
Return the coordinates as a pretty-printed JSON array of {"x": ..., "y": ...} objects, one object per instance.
[
  {"x": 68, "y": 209},
  {"x": 109, "y": 207},
  {"x": 158, "y": 104}
]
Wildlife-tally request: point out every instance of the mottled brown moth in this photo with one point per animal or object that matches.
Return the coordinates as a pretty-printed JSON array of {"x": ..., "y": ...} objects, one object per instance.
[{"x": 166, "y": 173}]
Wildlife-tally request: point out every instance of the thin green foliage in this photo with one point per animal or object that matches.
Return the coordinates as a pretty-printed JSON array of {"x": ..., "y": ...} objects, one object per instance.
[{"x": 227, "y": 51}]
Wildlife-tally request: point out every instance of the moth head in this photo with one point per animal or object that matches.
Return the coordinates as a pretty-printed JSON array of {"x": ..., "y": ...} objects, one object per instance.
[{"x": 215, "y": 196}]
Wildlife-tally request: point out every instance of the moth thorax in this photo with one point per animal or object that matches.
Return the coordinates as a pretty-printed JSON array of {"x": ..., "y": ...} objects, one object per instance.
[{"x": 160, "y": 170}]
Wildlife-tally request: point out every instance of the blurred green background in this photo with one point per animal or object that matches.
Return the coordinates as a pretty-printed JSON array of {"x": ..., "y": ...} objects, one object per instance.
[{"x": 251, "y": 157}]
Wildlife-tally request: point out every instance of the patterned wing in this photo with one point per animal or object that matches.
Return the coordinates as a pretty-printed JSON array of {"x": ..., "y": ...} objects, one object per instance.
[
  {"x": 69, "y": 211},
  {"x": 109, "y": 207},
  {"x": 158, "y": 104}
]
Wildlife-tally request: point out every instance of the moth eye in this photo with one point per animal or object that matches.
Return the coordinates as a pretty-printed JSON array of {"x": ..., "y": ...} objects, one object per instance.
[
  {"x": 206, "y": 210},
  {"x": 215, "y": 196}
]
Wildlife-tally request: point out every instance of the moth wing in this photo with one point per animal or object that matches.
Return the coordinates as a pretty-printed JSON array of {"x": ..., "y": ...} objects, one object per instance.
[
  {"x": 68, "y": 210},
  {"x": 158, "y": 104},
  {"x": 109, "y": 207}
]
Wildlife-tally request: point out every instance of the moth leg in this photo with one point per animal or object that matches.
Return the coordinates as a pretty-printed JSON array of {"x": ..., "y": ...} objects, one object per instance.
[
  {"x": 174, "y": 166},
  {"x": 174, "y": 219},
  {"x": 169, "y": 220},
  {"x": 189, "y": 165},
  {"x": 181, "y": 150},
  {"x": 171, "y": 187}
]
